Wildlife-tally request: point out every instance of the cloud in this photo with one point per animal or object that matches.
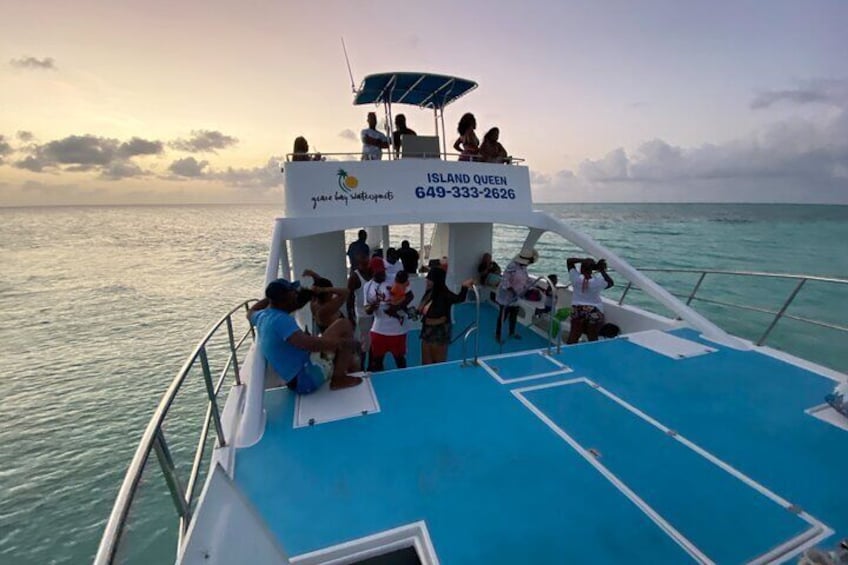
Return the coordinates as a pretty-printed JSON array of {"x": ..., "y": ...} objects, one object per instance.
[
  {"x": 138, "y": 146},
  {"x": 82, "y": 153},
  {"x": 5, "y": 149},
  {"x": 822, "y": 91},
  {"x": 25, "y": 136},
  {"x": 262, "y": 178},
  {"x": 203, "y": 141},
  {"x": 46, "y": 63},
  {"x": 188, "y": 167},
  {"x": 348, "y": 134},
  {"x": 792, "y": 160}
]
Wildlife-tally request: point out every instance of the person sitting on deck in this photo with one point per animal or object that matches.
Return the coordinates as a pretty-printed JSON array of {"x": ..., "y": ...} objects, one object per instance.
[
  {"x": 300, "y": 151},
  {"x": 587, "y": 308},
  {"x": 491, "y": 151},
  {"x": 400, "y": 129},
  {"x": 373, "y": 141},
  {"x": 435, "y": 309},
  {"x": 549, "y": 292},
  {"x": 489, "y": 271},
  {"x": 302, "y": 361},
  {"x": 467, "y": 143},
  {"x": 408, "y": 257},
  {"x": 326, "y": 302}
]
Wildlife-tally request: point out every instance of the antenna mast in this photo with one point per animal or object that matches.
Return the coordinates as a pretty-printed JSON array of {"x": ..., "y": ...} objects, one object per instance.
[{"x": 352, "y": 84}]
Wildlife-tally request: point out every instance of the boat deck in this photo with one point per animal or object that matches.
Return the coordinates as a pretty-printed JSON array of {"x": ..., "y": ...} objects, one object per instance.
[{"x": 606, "y": 452}]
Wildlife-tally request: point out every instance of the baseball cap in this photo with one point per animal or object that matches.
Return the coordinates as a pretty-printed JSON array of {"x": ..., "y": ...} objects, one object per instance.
[
  {"x": 277, "y": 289},
  {"x": 377, "y": 265}
]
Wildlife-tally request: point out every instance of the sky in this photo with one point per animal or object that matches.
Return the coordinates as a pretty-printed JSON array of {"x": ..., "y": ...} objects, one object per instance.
[{"x": 608, "y": 101}]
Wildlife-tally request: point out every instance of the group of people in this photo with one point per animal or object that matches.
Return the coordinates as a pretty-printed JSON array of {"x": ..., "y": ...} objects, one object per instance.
[
  {"x": 378, "y": 306},
  {"x": 374, "y": 142},
  {"x": 470, "y": 148},
  {"x": 514, "y": 283}
]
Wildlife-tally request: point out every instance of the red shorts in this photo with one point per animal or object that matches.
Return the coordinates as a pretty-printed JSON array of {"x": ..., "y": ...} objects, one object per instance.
[{"x": 382, "y": 344}]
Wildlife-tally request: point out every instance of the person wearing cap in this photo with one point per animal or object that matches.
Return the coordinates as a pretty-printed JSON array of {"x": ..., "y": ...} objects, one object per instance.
[
  {"x": 302, "y": 361},
  {"x": 587, "y": 308},
  {"x": 514, "y": 283},
  {"x": 373, "y": 141},
  {"x": 388, "y": 334}
]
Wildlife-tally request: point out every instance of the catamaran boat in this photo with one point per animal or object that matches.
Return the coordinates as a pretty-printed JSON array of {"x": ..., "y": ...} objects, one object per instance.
[{"x": 674, "y": 442}]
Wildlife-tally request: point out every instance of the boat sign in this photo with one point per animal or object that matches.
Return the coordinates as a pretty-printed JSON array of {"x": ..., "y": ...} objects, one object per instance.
[{"x": 340, "y": 188}]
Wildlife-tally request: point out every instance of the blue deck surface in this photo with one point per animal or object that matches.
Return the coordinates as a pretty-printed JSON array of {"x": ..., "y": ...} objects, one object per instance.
[{"x": 496, "y": 484}]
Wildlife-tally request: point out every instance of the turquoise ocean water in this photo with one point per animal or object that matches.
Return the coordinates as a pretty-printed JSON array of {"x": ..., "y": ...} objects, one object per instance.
[{"x": 99, "y": 306}]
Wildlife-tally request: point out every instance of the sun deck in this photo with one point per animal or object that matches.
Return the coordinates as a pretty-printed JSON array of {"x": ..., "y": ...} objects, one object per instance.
[{"x": 605, "y": 452}]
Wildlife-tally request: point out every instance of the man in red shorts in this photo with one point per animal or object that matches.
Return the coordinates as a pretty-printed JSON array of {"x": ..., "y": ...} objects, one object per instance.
[{"x": 388, "y": 334}]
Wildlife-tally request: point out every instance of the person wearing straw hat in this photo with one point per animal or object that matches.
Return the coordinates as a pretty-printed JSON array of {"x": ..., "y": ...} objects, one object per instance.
[{"x": 513, "y": 285}]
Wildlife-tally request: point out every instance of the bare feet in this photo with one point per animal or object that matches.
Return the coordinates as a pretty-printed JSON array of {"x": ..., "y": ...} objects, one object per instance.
[{"x": 345, "y": 381}]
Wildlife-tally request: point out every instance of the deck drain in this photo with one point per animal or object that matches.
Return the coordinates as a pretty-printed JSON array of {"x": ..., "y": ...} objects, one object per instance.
[{"x": 595, "y": 453}]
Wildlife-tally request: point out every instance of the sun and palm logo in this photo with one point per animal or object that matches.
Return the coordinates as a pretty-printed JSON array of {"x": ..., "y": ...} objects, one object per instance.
[{"x": 347, "y": 182}]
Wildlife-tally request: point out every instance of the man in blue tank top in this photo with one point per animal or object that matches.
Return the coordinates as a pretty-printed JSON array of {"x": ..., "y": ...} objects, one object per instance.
[{"x": 302, "y": 361}]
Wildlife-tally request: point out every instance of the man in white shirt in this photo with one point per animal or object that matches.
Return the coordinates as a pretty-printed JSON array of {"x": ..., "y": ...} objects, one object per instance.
[
  {"x": 373, "y": 141},
  {"x": 587, "y": 308},
  {"x": 388, "y": 333}
]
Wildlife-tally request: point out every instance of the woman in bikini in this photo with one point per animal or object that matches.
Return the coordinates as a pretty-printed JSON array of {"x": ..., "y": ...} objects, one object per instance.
[{"x": 467, "y": 143}]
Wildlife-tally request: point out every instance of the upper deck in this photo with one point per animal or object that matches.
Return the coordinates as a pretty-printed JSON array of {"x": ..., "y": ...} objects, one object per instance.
[{"x": 606, "y": 452}]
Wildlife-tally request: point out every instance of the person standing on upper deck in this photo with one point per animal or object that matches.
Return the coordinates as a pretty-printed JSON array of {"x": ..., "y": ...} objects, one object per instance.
[
  {"x": 467, "y": 143},
  {"x": 400, "y": 129},
  {"x": 373, "y": 141},
  {"x": 357, "y": 248}
]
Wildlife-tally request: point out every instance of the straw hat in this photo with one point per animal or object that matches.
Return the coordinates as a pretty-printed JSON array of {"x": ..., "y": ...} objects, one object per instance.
[{"x": 527, "y": 256}]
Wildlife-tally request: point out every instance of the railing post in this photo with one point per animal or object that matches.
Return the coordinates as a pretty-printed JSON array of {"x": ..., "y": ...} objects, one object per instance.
[
  {"x": 233, "y": 349},
  {"x": 623, "y": 294},
  {"x": 252, "y": 329},
  {"x": 780, "y": 313},
  {"x": 210, "y": 390},
  {"x": 551, "y": 314},
  {"x": 166, "y": 462},
  {"x": 474, "y": 328},
  {"x": 695, "y": 290}
]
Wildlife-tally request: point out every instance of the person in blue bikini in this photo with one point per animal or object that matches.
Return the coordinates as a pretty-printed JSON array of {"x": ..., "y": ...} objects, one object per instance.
[{"x": 302, "y": 361}]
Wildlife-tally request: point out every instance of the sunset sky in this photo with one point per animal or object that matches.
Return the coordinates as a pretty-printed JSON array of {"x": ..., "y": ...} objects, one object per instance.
[{"x": 164, "y": 102}]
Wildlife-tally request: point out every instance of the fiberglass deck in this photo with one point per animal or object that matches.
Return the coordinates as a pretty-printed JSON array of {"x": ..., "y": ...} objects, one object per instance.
[{"x": 607, "y": 452}]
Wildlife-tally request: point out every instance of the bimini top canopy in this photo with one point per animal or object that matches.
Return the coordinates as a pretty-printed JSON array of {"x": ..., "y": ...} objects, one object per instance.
[{"x": 418, "y": 89}]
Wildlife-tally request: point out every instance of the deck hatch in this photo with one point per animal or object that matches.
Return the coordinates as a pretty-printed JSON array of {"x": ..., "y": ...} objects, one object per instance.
[
  {"x": 405, "y": 545},
  {"x": 328, "y": 406},
  {"x": 517, "y": 367},
  {"x": 826, "y": 413},
  {"x": 671, "y": 346}
]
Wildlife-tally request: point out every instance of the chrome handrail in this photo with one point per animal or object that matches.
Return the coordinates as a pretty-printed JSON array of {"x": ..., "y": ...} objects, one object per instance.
[
  {"x": 475, "y": 329},
  {"x": 153, "y": 439},
  {"x": 778, "y": 314}
]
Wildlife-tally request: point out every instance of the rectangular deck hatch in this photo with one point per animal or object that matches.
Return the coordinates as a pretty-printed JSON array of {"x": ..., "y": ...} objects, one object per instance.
[
  {"x": 327, "y": 405},
  {"x": 671, "y": 346}
]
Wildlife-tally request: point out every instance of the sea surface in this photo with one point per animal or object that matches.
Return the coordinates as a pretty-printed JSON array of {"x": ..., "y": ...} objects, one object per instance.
[{"x": 99, "y": 307}]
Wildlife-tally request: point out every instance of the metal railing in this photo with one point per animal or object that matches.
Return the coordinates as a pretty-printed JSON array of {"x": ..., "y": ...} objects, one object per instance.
[
  {"x": 154, "y": 440},
  {"x": 473, "y": 329},
  {"x": 390, "y": 156},
  {"x": 778, "y": 314}
]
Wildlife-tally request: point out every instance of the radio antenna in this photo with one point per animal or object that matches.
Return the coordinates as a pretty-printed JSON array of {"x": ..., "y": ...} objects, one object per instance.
[{"x": 352, "y": 84}]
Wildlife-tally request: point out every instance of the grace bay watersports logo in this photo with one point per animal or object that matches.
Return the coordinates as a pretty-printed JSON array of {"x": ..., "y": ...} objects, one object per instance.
[{"x": 347, "y": 183}]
